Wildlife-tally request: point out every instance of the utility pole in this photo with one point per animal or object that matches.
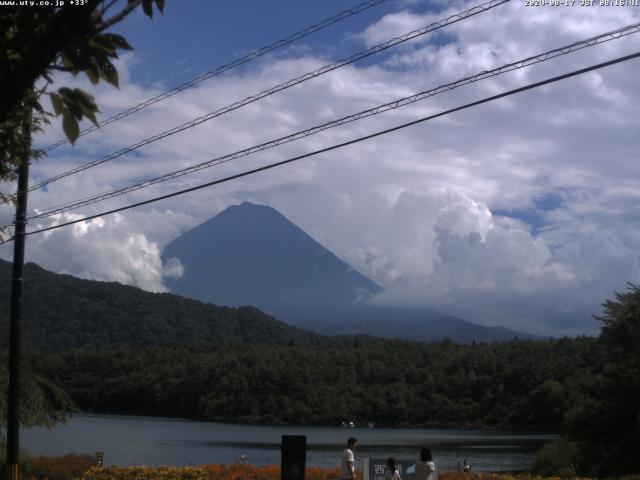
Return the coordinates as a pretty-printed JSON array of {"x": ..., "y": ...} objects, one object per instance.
[{"x": 17, "y": 281}]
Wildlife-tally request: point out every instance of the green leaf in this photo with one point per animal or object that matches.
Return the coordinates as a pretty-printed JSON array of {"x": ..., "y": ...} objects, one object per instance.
[
  {"x": 101, "y": 45},
  {"x": 85, "y": 99},
  {"x": 56, "y": 102},
  {"x": 118, "y": 41},
  {"x": 75, "y": 59},
  {"x": 67, "y": 63},
  {"x": 93, "y": 72},
  {"x": 90, "y": 114},
  {"x": 74, "y": 108},
  {"x": 109, "y": 73},
  {"x": 65, "y": 92},
  {"x": 147, "y": 7},
  {"x": 87, "y": 105},
  {"x": 70, "y": 126},
  {"x": 160, "y": 5}
]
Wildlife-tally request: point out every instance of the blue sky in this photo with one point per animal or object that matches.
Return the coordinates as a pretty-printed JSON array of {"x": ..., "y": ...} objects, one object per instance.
[
  {"x": 192, "y": 38},
  {"x": 534, "y": 216},
  {"x": 522, "y": 212}
]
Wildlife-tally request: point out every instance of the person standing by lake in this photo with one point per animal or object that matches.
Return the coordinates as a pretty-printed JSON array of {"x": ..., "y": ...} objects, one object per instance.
[
  {"x": 425, "y": 467},
  {"x": 392, "y": 472},
  {"x": 347, "y": 465}
]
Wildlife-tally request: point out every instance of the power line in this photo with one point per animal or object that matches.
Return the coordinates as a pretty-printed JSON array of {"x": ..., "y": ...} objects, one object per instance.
[
  {"x": 605, "y": 37},
  {"x": 325, "y": 69},
  {"x": 283, "y": 86},
  {"x": 225, "y": 68},
  {"x": 344, "y": 144}
]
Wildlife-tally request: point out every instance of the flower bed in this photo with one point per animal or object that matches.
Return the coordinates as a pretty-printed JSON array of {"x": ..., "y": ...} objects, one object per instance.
[
  {"x": 76, "y": 468},
  {"x": 202, "y": 472},
  {"x": 66, "y": 467}
]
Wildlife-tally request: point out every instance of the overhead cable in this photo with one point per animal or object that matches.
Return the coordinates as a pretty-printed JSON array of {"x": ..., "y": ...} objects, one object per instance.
[
  {"x": 542, "y": 57},
  {"x": 225, "y": 68},
  {"x": 283, "y": 86},
  {"x": 343, "y": 144}
]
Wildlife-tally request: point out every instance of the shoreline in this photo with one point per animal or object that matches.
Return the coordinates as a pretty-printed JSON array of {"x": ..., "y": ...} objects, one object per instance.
[{"x": 363, "y": 426}]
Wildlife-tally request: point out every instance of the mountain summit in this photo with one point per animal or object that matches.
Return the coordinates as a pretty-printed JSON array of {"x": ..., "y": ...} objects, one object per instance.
[{"x": 252, "y": 254}]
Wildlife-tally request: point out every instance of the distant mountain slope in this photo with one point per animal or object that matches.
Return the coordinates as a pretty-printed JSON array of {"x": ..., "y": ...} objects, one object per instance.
[
  {"x": 252, "y": 255},
  {"x": 420, "y": 324},
  {"x": 63, "y": 312}
]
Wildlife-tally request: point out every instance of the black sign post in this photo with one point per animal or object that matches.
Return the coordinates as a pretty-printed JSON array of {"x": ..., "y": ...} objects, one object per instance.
[{"x": 293, "y": 457}]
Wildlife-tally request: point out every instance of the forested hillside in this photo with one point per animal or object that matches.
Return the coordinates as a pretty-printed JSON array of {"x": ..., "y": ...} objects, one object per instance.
[
  {"x": 62, "y": 312},
  {"x": 526, "y": 384}
]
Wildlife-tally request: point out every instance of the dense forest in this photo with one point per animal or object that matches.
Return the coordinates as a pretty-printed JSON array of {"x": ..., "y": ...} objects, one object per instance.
[
  {"x": 521, "y": 384},
  {"x": 62, "y": 312},
  {"x": 159, "y": 354}
]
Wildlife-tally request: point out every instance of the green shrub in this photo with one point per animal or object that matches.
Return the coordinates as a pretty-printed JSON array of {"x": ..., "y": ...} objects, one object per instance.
[{"x": 556, "y": 459}]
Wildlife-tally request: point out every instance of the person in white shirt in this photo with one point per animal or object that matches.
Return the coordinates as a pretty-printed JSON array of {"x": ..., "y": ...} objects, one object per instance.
[
  {"x": 347, "y": 466},
  {"x": 425, "y": 468}
]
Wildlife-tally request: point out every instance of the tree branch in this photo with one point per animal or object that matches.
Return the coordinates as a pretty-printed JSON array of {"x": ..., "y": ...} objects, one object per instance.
[
  {"x": 40, "y": 92},
  {"x": 107, "y": 6},
  {"x": 118, "y": 17}
]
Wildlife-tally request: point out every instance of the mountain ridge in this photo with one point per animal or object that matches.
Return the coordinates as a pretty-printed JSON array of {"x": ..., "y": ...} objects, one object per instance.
[{"x": 252, "y": 254}]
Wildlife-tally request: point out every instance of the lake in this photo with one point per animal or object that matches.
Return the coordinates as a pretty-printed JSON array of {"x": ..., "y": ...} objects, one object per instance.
[{"x": 152, "y": 441}]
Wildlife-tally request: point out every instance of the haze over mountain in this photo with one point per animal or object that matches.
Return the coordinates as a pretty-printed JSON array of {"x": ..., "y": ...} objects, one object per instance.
[{"x": 252, "y": 255}]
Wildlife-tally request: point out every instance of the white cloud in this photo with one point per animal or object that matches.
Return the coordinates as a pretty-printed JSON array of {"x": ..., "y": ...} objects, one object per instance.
[
  {"x": 412, "y": 209},
  {"x": 109, "y": 249},
  {"x": 173, "y": 268},
  {"x": 121, "y": 248},
  {"x": 456, "y": 257}
]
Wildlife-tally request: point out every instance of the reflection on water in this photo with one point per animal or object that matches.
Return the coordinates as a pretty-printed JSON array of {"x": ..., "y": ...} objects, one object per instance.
[{"x": 127, "y": 440}]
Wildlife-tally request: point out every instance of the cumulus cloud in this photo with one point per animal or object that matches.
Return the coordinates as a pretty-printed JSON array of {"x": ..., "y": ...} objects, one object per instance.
[
  {"x": 416, "y": 209},
  {"x": 446, "y": 251},
  {"x": 120, "y": 248},
  {"x": 124, "y": 255}
]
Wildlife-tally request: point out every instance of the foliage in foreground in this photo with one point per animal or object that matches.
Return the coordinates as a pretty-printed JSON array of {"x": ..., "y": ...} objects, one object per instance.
[
  {"x": 270, "y": 472},
  {"x": 606, "y": 426},
  {"x": 34, "y": 43},
  {"x": 202, "y": 472},
  {"x": 66, "y": 467},
  {"x": 81, "y": 467},
  {"x": 556, "y": 459},
  {"x": 42, "y": 402}
]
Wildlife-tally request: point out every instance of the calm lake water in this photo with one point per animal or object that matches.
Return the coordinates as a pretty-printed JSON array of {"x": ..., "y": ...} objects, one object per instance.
[{"x": 128, "y": 440}]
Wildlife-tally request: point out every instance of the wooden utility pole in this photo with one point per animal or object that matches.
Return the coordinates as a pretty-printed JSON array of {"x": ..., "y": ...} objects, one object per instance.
[{"x": 17, "y": 282}]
